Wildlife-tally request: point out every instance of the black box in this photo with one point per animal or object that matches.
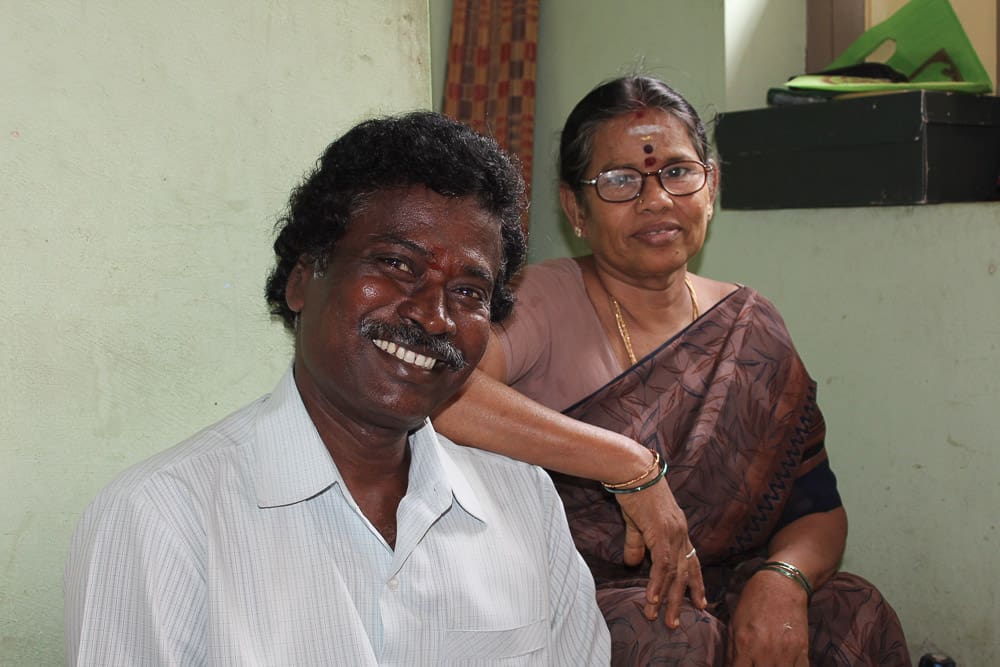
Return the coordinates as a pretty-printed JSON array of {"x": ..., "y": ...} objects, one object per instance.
[{"x": 915, "y": 147}]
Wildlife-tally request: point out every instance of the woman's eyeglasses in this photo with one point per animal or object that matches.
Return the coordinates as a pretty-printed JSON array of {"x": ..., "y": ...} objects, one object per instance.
[{"x": 625, "y": 183}]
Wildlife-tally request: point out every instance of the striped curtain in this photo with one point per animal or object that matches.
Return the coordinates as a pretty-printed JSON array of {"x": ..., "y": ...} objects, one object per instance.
[{"x": 491, "y": 72}]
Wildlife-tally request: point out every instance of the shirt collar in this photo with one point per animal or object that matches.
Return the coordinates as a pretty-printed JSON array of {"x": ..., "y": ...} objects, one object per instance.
[
  {"x": 433, "y": 466},
  {"x": 292, "y": 464}
]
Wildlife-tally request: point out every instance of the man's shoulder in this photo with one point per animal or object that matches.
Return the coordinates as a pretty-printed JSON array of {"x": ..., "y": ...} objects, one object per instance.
[{"x": 190, "y": 466}]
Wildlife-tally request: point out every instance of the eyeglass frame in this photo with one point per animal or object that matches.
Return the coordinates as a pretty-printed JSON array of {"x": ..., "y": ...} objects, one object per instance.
[{"x": 707, "y": 167}]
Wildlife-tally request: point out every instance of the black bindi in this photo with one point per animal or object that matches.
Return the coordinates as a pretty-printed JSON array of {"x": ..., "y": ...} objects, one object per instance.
[{"x": 648, "y": 148}]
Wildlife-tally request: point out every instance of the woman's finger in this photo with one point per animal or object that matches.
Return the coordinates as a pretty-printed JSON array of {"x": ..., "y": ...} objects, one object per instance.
[
  {"x": 661, "y": 579},
  {"x": 696, "y": 583},
  {"x": 635, "y": 546}
]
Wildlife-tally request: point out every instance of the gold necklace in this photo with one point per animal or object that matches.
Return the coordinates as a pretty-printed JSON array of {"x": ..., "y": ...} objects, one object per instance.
[{"x": 623, "y": 328}]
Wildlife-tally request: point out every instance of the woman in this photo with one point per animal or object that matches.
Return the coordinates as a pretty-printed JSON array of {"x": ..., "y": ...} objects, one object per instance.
[{"x": 626, "y": 342}]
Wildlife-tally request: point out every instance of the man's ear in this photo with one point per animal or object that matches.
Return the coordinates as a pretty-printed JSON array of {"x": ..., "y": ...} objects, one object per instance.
[
  {"x": 295, "y": 288},
  {"x": 573, "y": 210}
]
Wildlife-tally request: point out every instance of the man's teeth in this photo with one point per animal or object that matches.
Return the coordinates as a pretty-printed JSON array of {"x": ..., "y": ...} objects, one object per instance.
[{"x": 409, "y": 356}]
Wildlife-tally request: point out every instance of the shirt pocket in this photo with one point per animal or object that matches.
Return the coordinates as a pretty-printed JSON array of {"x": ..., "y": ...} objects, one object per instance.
[{"x": 523, "y": 645}]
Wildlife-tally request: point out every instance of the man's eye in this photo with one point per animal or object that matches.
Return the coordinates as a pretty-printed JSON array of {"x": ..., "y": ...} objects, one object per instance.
[
  {"x": 396, "y": 263},
  {"x": 473, "y": 293}
]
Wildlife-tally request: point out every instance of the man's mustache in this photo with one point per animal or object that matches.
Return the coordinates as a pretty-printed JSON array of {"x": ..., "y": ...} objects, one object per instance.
[{"x": 411, "y": 336}]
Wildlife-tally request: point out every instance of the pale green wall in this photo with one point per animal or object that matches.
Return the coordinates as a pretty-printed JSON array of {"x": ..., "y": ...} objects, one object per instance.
[
  {"x": 765, "y": 45},
  {"x": 895, "y": 310},
  {"x": 147, "y": 148}
]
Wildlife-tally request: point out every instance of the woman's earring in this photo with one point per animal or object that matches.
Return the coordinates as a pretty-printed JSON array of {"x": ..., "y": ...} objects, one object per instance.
[{"x": 578, "y": 232}]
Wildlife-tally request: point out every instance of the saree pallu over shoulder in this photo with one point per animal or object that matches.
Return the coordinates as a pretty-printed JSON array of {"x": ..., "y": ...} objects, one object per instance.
[{"x": 730, "y": 406}]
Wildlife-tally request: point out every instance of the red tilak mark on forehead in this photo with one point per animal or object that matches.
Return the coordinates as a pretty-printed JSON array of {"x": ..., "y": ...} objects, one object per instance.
[
  {"x": 650, "y": 161},
  {"x": 640, "y": 113}
]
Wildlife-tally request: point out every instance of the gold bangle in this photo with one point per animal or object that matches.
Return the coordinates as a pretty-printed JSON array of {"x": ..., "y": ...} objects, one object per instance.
[
  {"x": 644, "y": 485},
  {"x": 644, "y": 475}
]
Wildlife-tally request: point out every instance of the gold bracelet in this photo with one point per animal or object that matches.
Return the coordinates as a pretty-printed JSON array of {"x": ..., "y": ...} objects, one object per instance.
[
  {"x": 644, "y": 475},
  {"x": 644, "y": 485}
]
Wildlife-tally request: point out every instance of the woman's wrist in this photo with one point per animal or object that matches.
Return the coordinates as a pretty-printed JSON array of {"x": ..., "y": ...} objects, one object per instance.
[
  {"x": 622, "y": 458},
  {"x": 789, "y": 571},
  {"x": 657, "y": 468},
  {"x": 646, "y": 473}
]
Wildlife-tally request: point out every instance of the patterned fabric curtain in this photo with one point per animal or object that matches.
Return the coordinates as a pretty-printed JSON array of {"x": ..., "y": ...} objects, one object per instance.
[{"x": 491, "y": 72}]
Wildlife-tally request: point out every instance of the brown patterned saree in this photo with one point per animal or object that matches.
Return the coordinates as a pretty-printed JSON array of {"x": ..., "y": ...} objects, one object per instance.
[{"x": 731, "y": 407}]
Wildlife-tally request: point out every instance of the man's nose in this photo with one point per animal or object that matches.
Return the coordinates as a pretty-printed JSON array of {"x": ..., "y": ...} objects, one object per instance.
[{"x": 427, "y": 306}]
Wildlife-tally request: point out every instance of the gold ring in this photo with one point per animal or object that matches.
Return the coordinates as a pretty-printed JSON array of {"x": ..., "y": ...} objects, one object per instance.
[{"x": 688, "y": 555}]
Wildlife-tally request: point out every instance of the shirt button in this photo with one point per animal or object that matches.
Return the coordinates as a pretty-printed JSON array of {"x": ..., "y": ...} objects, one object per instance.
[{"x": 393, "y": 584}]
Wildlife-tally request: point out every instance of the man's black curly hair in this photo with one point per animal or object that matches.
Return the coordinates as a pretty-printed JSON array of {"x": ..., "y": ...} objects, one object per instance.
[{"x": 417, "y": 148}]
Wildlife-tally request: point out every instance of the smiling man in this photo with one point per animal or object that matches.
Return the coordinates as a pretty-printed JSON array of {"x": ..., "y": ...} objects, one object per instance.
[{"x": 327, "y": 523}]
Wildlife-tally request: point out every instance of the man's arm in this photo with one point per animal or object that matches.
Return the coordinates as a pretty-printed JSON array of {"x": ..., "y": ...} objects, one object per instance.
[{"x": 134, "y": 590}]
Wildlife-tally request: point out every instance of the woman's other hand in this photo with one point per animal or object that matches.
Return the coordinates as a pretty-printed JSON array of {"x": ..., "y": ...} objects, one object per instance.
[
  {"x": 770, "y": 626},
  {"x": 654, "y": 521}
]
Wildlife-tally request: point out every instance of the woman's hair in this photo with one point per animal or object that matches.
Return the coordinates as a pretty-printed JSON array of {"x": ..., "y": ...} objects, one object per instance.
[
  {"x": 419, "y": 148},
  {"x": 610, "y": 100}
]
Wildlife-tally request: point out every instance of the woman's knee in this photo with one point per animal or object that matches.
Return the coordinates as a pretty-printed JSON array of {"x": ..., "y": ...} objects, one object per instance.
[{"x": 700, "y": 639}]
